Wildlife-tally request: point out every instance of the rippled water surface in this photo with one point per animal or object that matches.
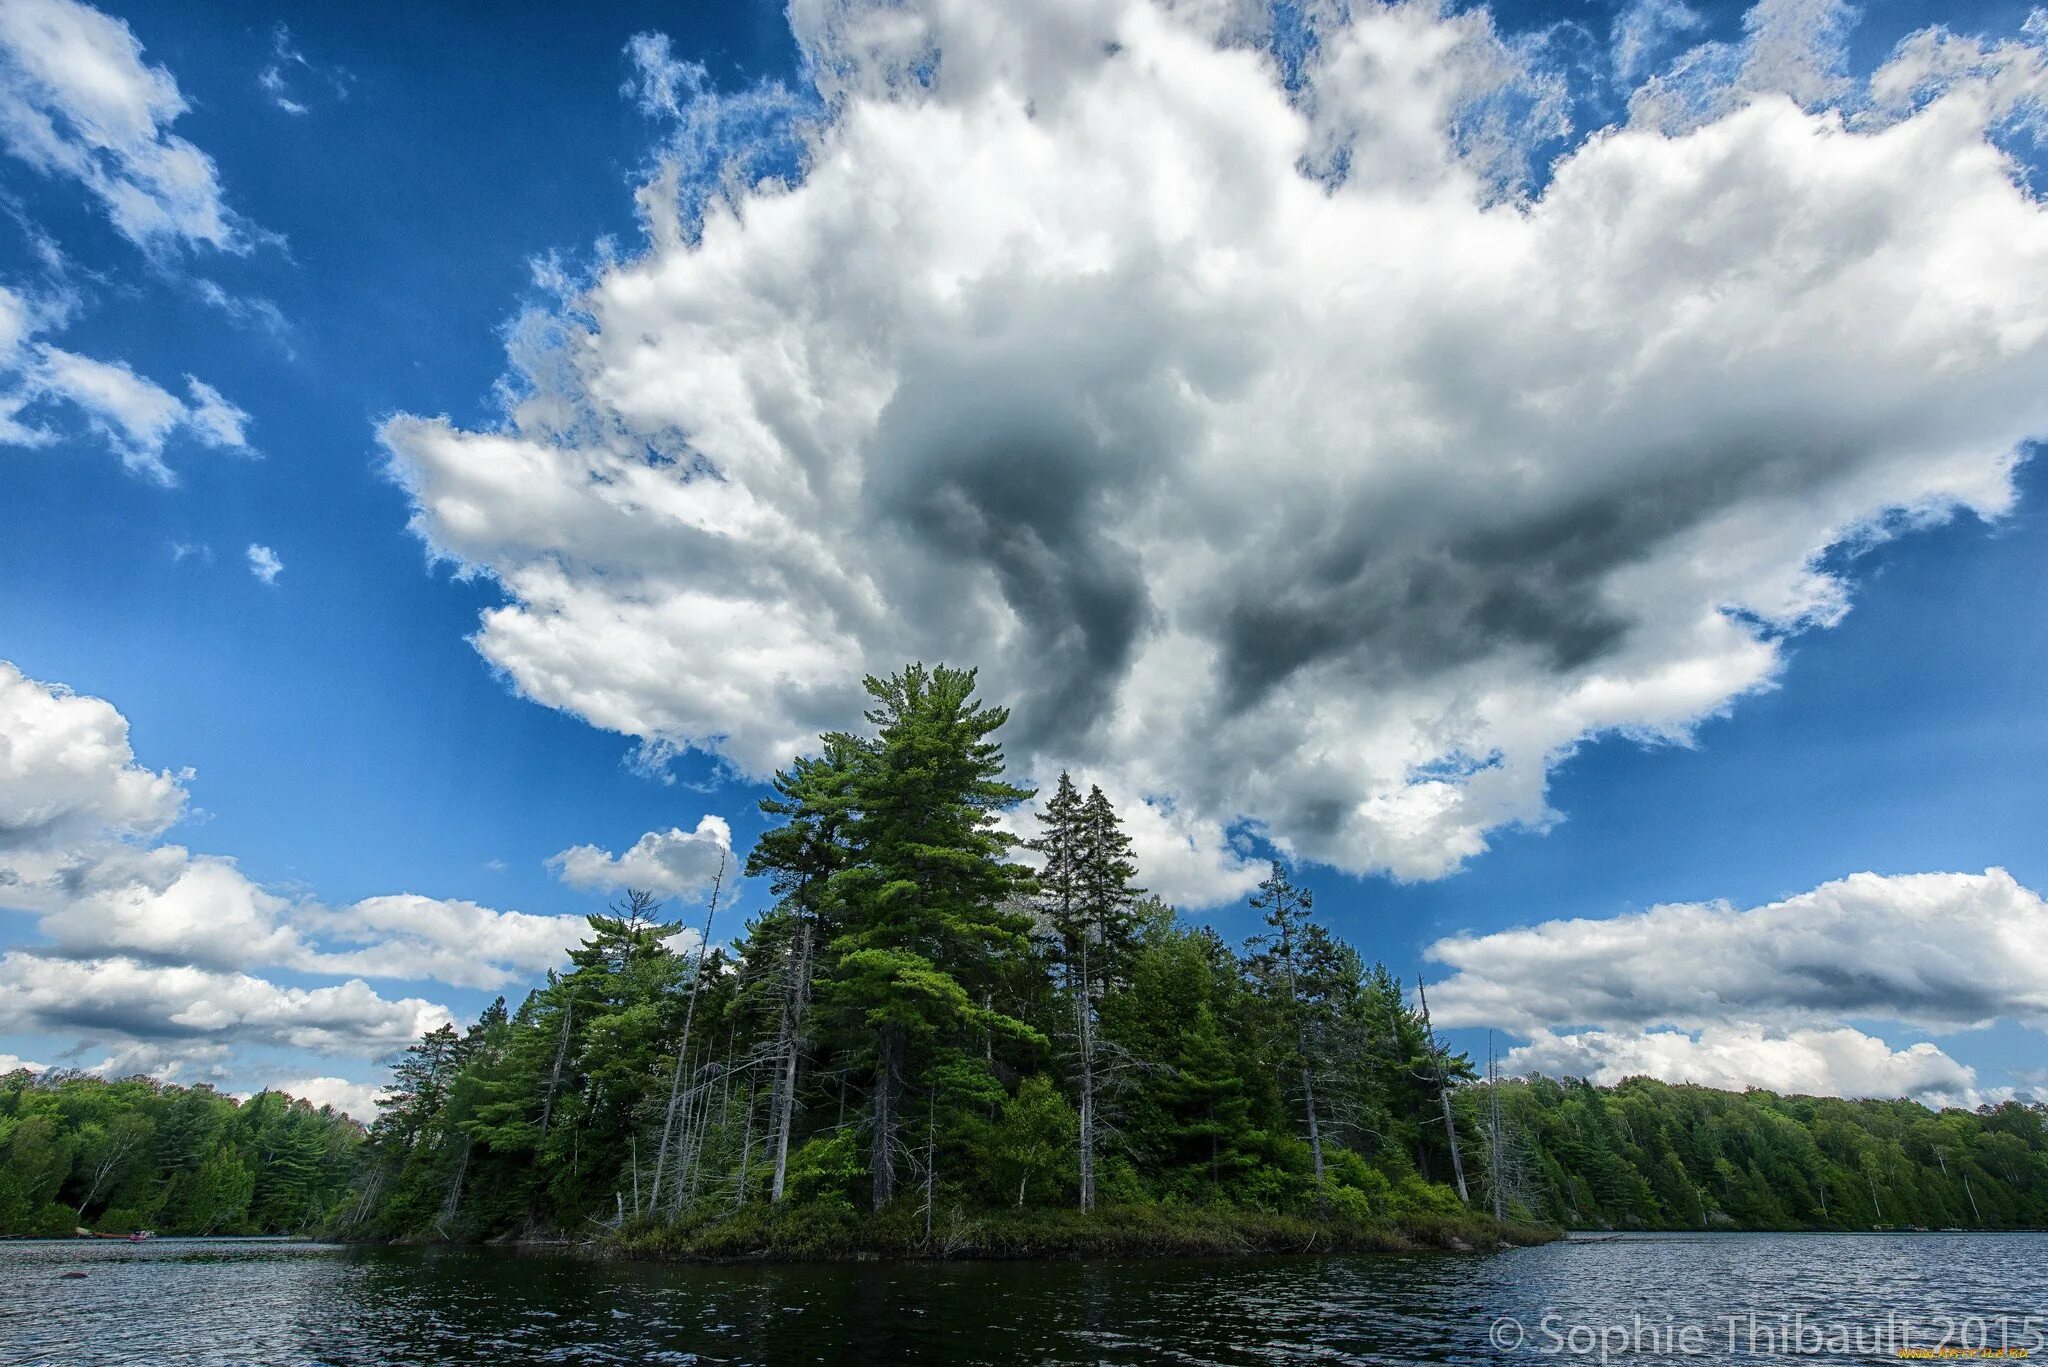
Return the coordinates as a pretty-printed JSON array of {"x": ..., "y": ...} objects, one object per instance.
[{"x": 1746, "y": 1298}]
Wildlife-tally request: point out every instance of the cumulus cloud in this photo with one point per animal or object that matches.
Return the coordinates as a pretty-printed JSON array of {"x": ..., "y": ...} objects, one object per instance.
[
  {"x": 264, "y": 564},
  {"x": 122, "y": 999},
  {"x": 169, "y": 905},
  {"x": 1839, "y": 1062},
  {"x": 672, "y": 862},
  {"x": 68, "y": 777},
  {"x": 77, "y": 100},
  {"x": 76, "y": 813},
  {"x": 1291, "y": 462},
  {"x": 1935, "y": 950},
  {"x": 354, "y": 1099},
  {"x": 1727, "y": 997},
  {"x": 443, "y": 939},
  {"x": 14, "y": 1062}
]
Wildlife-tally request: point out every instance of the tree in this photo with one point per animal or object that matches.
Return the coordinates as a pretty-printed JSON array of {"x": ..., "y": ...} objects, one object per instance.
[
  {"x": 927, "y": 890},
  {"x": 814, "y": 798},
  {"x": 1086, "y": 893},
  {"x": 1295, "y": 959}
]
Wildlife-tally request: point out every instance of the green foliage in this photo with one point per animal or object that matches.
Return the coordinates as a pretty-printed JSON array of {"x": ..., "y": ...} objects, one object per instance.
[
  {"x": 922, "y": 1046},
  {"x": 1649, "y": 1155},
  {"x": 83, "y": 1152}
]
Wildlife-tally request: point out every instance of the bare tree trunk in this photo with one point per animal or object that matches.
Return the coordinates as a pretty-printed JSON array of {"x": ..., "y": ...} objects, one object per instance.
[
  {"x": 1495, "y": 1159},
  {"x": 1443, "y": 1092},
  {"x": 547, "y": 1106},
  {"x": 1315, "y": 1132},
  {"x": 1308, "y": 1086},
  {"x": 1085, "y": 1005},
  {"x": 790, "y": 1043},
  {"x": 453, "y": 1201},
  {"x": 100, "y": 1173},
  {"x": 739, "y": 1197},
  {"x": 701, "y": 1132},
  {"x": 882, "y": 1160},
  {"x": 668, "y": 1122},
  {"x": 931, "y": 1159}
]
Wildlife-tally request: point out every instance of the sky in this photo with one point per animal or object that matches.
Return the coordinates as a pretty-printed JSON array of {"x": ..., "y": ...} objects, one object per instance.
[{"x": 1561, "y": 476}]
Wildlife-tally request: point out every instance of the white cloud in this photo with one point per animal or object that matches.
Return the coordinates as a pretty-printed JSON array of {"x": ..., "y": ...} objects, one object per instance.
[
  {"x": 135, "y": 416},
  {"x": 164, "y": 904},
  {"x": 1644, "y": 30},
  {"x": 169, "y": 905},
  {"x": 11, "y": 1062},
  {"x": 280, "y": 78},
  {"x": 672, "y": 862},
  {"x": 356, "y": 1099},
  {"x": 68, "y": 777},
  {"x": 1334, "y": 503},
  {"x": 1935, "y": 950},
  {"x": 273, "y": 78},
  {"x": 1839, "y": 1062},
  {"x": 77, "y": 100},
  {"x": 76, "y": 811},
  {"x": 264, "y": 564},
  {"x": 126, "y": 999},
  {"x": 442, "y": 939}
]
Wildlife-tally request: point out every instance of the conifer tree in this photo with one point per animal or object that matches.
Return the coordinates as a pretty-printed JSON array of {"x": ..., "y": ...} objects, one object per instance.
[
  {"x": 1287, "y": 957},
  {"x": 928, "y": 892},
  {"x": 1105, "y": 870}
]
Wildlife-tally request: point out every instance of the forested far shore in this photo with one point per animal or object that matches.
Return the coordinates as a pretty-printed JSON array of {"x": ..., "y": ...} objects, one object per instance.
[
  {"x": 935, "y": 1037},
  {"x": 82, "y": 1152},
  {"x": 1651, "y": 1155}
]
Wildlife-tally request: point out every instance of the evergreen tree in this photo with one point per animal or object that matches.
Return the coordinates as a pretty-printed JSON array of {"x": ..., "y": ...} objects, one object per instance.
[
  {"x": 1296, "y": 963},
  {"x": 927, "y": 892}
]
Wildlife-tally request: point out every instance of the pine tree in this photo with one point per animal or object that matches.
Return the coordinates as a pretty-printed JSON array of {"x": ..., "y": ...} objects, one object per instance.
[
  {"x": 1098, "y": 949},
  {"x": 1287, "y": 958},
  {"x": 928, "y": 892}
]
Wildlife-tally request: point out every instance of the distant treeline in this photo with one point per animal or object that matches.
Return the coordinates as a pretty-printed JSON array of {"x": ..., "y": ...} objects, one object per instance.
[
  {"x": 1648, "y": 1155},
  {"x": 78, "y": 1151}
]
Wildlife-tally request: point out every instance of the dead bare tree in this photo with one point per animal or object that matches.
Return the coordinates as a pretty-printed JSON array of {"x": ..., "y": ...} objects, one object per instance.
[
  {"x": 689, "y": 1018},
  {"x": 789, "y": 1049},
  {"x": 1443, "y": 1090}
]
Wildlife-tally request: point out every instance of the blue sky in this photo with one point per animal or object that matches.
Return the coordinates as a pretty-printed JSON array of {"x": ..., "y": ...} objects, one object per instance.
[{"x": 391, "y": 192}]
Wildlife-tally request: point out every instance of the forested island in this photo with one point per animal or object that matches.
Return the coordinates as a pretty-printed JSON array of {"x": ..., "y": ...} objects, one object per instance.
[{"x": 927, "y": 1045}]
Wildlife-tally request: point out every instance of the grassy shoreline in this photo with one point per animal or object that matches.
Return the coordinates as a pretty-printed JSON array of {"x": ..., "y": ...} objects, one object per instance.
[{"x": 799, "y": 1235}]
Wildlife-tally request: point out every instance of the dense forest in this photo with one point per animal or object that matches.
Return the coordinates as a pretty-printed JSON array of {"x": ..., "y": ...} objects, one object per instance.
[
  {"x": 923, "y": 1037},
  {"x": 1647, "y": 1155},
  {"x": 937, "y": 1037},
  {"x": 81, "y": 1152}
]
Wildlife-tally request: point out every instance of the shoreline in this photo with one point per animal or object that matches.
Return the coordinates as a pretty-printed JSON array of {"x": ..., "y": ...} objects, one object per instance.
[{"x": 1056, "y": 1236}]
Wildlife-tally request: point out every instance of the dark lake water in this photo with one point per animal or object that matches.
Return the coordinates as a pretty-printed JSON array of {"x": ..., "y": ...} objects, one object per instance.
[{"x": 1712, "y": 1298}]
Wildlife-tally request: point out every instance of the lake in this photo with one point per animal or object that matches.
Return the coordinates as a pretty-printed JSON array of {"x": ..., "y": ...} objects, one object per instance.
[{"x": 1717, "y": 1298}]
